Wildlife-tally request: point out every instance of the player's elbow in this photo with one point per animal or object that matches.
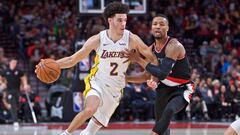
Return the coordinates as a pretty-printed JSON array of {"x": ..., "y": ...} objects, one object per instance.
[{"x": 158, "y": 71}]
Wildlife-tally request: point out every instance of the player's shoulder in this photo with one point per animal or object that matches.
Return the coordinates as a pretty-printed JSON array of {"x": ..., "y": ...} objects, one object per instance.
[
  {"x": 133, "y": 36},
  {"x": 95, "y": 37},
  {"x": 93, "y": 42},
  {"x": 175, "y": 44},
  {"x": 175, "y": 41},
  {"x": 134, "y": 39}
]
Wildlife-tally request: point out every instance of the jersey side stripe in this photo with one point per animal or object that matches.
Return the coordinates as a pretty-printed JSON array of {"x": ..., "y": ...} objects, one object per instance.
[
  {"x": 177, "y": 80},
  {"x": 93, "y": 72}
]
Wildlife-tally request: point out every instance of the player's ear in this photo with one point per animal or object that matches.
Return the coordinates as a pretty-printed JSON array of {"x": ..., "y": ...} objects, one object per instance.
[
  {"x": 110, "y": 20},
  {"x": 167, "y": 28}
]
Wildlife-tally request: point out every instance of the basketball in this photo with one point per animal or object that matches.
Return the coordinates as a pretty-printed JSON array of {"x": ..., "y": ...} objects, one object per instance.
[{"x": 48, "y": 71}]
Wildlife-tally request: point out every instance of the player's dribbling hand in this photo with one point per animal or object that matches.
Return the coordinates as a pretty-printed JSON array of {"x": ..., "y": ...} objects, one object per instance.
[
  {"x": 152, "y": 84},
  {"x": 37, "y": 66}
]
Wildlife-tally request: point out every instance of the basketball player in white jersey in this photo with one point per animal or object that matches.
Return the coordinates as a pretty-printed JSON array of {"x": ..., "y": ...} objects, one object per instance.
[
  {"x": 107, "y": 78},
  {"x": 234, "y": 128}
]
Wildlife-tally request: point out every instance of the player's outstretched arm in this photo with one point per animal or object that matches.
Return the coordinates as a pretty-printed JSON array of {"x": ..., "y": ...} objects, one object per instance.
[{"x": 91, "y": 44}]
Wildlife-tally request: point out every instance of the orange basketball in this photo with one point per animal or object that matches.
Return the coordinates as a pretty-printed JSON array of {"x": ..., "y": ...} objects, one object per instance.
[{"x": 48, "y": 71}]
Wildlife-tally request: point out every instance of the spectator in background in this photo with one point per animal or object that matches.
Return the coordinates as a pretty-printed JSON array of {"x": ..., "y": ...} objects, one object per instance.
[
  {"x": 3, "y": 60},
  {"x": 36, "y": 52},
  {"x": 203, "y": 51},
  {"x": 224, "y": 101},
  {"x": 4, "y": 108},
  {"x": 16, "y": 80},
  {"x": 25, "y": 113},
  {"x": 218, "y": 68},
  {"x": 235, "y": 101},
  {"x": 140, "y": 103},
  {"x": 125, "y": 110},
  {"x": 216, "y": 85},
  {"x": 3, "y": 104},
  {"x": 207, "y": 95},
  {"x": 3, "y": 84},
  {"x": 238, "y": 90},
  {"x": 197, "y": 109}
]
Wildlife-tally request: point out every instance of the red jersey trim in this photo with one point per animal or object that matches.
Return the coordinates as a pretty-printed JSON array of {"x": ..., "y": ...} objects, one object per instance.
[{"x": 177, "y": 80}]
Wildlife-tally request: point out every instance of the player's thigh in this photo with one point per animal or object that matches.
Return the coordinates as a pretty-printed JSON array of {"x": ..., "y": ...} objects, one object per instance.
[
  {"x": 160, "y": 103},
  {"x": 110, "y": 102},
  {"x": 108, "y": 106},
  {"x": 92, "y": 102}
]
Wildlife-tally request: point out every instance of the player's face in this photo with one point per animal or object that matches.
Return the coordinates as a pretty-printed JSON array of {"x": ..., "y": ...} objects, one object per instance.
[
  {"x": 13, "y": 64},
  {"x": 159, "y": 27},
  {"x": 118, "y": 23}
]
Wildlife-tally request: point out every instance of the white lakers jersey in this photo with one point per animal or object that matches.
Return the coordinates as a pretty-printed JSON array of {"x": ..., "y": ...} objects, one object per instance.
[{"x": 109, "y": 68}]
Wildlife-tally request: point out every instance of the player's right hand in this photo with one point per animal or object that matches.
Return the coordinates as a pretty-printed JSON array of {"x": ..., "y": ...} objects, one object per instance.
[
  {"x": 131, "y": 55},
  {"x": 152, "y": 84}
]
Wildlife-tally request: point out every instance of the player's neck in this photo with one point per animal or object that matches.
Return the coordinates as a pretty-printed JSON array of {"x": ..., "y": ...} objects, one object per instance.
[
  {"x": 113, "y": 35},
  {"x": 159, "y": 43}
]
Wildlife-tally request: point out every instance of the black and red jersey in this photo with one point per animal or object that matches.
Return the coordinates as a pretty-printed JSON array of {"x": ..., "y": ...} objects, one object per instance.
[{"x": 180, "y": 73}]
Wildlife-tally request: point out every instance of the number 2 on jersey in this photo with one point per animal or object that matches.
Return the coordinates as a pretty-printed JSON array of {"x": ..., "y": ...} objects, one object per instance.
[{"x": 114, "y": 68}]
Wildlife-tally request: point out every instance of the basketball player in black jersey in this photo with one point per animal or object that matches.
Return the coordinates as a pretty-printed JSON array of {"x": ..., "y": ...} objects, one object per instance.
[{"x": 173, "y": 87}]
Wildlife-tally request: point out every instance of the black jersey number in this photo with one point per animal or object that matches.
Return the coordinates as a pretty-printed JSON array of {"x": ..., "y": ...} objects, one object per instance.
[{"x": 114, "y": 68}]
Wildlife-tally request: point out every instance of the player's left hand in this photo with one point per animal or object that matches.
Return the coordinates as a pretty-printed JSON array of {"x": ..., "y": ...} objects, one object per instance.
[
  {"x": 152, "y": 84},
  {"x": 131, "y": 55}
]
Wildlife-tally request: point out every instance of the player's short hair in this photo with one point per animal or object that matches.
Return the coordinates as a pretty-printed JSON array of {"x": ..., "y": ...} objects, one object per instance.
[
  {"x": 12, "y": 58},
  {"x": 115, "y": 8},
  {"x": 163, "y": 16}
]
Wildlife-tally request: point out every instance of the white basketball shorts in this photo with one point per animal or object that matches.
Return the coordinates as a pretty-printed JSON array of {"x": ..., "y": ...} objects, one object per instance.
[
  {"x": 236, "y": 126},
  {"x": 109, "y": 101}
]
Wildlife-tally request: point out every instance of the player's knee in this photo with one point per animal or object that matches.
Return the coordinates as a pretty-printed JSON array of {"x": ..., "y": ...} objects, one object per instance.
[
  {"x": 89, "y": 111},
  {"x": 169, "y": 111}
]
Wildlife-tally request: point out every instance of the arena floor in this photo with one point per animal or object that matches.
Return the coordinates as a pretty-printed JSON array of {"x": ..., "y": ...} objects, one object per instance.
[{"x": 117, "y": 129}]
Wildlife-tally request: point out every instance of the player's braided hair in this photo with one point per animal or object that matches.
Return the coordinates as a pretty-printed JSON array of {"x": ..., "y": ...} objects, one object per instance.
[{"x": 115, "y": 8}]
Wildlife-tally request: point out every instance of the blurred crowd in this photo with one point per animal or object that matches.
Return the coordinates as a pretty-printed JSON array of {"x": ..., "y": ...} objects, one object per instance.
[{"x": 209, "y": 30}]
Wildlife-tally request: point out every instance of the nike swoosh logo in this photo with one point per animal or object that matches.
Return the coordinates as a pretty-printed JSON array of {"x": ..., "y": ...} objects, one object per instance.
[
  {"x": 122, "y": 43},
  {"x": 106, "y": 44}
]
